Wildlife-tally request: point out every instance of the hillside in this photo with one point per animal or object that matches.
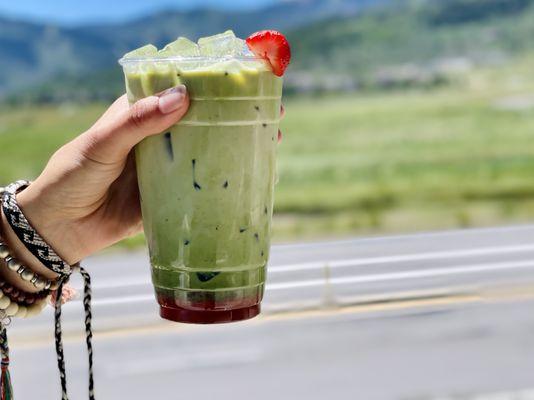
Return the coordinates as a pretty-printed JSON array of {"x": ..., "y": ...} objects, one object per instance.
[
  {"x": 336, "y": 44},
  {"x": 419, "y": 33},
  {"x": 32, "y": 53}
]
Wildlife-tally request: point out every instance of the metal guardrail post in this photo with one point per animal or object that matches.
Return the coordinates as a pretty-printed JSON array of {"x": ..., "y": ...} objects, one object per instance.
[{"x": 329, "y": 298}]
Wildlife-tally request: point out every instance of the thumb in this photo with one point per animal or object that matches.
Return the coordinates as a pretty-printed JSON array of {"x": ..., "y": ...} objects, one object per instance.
[{"x": 123, "y": 126}]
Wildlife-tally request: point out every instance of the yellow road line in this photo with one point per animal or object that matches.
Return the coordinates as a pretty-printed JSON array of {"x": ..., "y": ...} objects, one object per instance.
[
  {"x": 169, "y": 327},
  {"x": 409, "y": 301}
]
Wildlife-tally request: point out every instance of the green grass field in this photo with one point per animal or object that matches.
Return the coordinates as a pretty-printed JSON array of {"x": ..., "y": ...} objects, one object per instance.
[{"x": 367, "y": 163}]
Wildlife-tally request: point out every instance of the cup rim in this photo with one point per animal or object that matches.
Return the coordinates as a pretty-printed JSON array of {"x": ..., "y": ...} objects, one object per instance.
[{"x": 151, "y": 59}]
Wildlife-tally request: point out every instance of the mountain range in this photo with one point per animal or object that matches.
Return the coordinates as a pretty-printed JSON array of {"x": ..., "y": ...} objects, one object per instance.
[
  {"x": 358, "y": 39},
  {"x": 31, "y": 53}
]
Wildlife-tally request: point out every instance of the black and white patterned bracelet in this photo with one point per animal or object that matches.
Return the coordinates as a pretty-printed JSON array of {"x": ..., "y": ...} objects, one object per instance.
[
  {"x": 25, "y": 232},
  {"x": 50, "y": 259}
]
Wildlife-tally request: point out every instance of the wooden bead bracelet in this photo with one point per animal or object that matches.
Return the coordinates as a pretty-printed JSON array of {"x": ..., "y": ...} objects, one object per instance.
[
  {"x": 11, "y": 308},
  {"x": 20, "y": 296}
]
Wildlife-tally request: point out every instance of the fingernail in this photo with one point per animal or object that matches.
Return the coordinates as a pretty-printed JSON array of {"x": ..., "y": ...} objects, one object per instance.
[{"x": 171, "y": 99}]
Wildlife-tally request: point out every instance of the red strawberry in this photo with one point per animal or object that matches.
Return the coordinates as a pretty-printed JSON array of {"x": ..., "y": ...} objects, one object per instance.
[{"x": 273, "y": 47}]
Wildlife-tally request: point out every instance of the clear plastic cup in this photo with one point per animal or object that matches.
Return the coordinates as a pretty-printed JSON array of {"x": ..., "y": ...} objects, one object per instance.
[{"x": 207, "y": 185}]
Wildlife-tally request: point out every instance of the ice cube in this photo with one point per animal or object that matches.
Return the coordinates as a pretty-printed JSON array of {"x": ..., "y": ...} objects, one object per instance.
[
  {"x": 239, "y": 46},
  {"x": 246, "y": 52},
  {"x": 142, "y": 52},
  {"x": 180, "y": 47},
  {"x": 223, "y": 44},
  {"x": 247, "y": 57}
]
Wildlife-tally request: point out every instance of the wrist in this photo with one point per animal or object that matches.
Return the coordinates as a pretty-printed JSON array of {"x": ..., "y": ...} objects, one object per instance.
[
  {"x": 58, "y": 232},
  {"x": 18, "y": 250}
]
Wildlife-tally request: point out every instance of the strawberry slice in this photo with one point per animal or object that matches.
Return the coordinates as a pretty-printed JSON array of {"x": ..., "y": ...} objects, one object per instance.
[{"x": 273, "y": 47}]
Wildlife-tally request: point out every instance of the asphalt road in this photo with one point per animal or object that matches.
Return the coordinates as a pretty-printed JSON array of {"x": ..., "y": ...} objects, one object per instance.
[{"x": 432, "y": 316}]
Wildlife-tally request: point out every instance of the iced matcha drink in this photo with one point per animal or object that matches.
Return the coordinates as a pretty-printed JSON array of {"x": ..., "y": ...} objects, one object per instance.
[{"x": 207, "y": 183}]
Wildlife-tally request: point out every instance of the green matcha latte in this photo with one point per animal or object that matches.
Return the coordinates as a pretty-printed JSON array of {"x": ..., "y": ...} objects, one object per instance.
[{"x": 207, "y": 183}]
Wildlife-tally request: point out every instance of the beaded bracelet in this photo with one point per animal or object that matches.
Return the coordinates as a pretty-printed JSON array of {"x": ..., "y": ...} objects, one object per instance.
[
  {"x": 24, "y": 272},
  {"x": 11, "y": 308},
  {"x": 20, "y": 296}
]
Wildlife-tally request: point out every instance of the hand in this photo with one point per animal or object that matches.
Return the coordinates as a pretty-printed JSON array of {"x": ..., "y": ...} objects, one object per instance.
[{"x": 87, "y": 198}]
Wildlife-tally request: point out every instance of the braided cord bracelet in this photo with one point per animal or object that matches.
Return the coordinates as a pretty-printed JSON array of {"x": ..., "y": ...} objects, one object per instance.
[
  {"x": 12, "y": 307},
  {"x": 50, "y": 259},
  {"x": 6, "y": 390}
]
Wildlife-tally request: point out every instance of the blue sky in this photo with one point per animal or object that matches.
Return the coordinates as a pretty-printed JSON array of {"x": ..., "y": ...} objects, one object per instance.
[{"x": 74, "y": 12}]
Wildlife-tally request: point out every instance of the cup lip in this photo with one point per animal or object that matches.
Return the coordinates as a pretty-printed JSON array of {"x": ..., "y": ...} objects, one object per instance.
[{"x": 151, "y": 59}]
